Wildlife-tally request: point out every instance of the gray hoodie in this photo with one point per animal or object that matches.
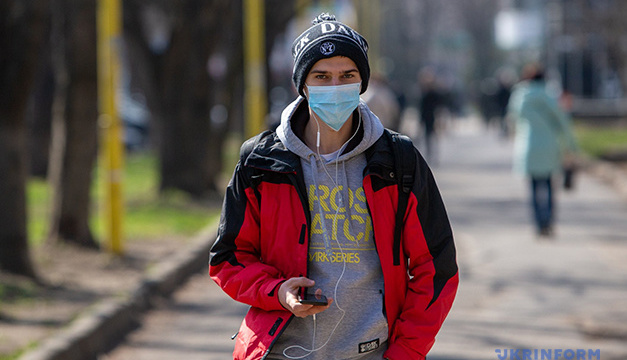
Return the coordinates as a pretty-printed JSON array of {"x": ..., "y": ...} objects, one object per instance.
[{"x": 342, "y": 256}]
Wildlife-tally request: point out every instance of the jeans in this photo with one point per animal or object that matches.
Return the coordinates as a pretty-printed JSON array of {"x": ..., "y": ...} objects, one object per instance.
[{"x": 542, "y": 202}]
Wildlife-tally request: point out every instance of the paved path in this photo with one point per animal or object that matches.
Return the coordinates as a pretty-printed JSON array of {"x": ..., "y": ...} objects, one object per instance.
[
  {"x": 196, "y": 324},
  {"x": 519, "y": 292},
  {"x": 516, "y": 291}
]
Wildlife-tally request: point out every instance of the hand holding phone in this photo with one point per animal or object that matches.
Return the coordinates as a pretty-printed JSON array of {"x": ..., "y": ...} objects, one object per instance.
[
  {"x": 316, "y": 299},
  {"x": 293, "y": 291}
]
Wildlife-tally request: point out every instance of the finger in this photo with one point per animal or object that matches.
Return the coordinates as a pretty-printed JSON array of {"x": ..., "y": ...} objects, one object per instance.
[
  {"x": 301, "y": 282},
  {"x": 302, "y": 310},
  {"x": 317, "y": 309}
]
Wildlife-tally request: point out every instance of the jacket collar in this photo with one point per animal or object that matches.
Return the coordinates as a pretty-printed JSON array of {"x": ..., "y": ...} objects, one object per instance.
[{"x": 270, "y": 154}]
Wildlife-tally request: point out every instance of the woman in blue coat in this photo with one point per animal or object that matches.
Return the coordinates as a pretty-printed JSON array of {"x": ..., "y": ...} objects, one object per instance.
[{"x": 543, "y": 139}]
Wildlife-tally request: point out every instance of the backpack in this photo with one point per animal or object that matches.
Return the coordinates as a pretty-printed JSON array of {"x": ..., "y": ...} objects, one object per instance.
[{"x": 404, "y": 169}]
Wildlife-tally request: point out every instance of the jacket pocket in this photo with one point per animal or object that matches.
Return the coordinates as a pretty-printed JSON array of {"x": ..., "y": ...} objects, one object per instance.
[{"x": 275, "y": 327}]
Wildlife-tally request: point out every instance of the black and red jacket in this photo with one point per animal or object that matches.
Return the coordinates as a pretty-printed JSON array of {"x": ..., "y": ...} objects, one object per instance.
[{"x": 263, "y": 240}]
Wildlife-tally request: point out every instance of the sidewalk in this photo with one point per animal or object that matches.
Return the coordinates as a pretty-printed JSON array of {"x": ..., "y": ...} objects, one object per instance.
[
  {"x": 519, "y": 292},
  {"x": 516, "y": 291}
]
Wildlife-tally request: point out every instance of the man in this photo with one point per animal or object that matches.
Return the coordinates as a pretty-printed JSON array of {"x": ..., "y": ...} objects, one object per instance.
[
  {"x": 431, "y": 100},
  {"x": 311, "y": 209}
]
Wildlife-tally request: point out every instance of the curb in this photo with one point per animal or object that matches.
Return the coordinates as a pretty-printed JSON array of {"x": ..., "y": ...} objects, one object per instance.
[{"x": 111, "y": 319}]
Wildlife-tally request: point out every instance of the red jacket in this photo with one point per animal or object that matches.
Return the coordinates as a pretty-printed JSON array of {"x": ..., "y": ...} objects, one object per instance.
[{"x": 264, "y": 234}]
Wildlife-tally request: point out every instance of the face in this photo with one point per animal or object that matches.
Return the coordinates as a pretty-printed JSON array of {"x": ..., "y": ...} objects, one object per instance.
[{"x": 337, "y": 70}]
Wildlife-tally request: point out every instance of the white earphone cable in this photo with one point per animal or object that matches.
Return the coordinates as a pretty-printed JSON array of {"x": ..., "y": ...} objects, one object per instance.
[{"x": 335, "y": 183}]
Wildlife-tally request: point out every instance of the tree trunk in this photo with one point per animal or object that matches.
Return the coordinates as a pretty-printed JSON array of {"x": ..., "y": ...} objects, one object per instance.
[
  {"x": 227, "y": 92},
  {"x": 39, "y": 120},
  {"x": 23, "y": 26},
  {"x": 74, "y": 124},
  {"x": 179, "y": 91},
  {"x": 185, "y": 126},
  {"x": 14, "y": 254},
  {"x": 277, "y": 18},
  {"x": 183, "y": 85}
]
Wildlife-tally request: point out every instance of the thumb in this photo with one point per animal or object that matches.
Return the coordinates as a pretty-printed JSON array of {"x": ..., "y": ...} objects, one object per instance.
[{"x": 303, "y": 282}]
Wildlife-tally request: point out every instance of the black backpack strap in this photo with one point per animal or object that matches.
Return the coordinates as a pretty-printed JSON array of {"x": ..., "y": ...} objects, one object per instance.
[
  {"x": 249, "y": 145},
  {"x": 253, "y": 177},
  {"x": 404, "y": 168}
]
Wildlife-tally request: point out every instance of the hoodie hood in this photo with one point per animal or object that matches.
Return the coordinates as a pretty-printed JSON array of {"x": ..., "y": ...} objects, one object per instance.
[{"x": 296, "y": 114}]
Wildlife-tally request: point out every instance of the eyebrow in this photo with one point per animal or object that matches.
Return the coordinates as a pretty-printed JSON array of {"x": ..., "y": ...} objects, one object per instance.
[{"x": 314, "y": 71}]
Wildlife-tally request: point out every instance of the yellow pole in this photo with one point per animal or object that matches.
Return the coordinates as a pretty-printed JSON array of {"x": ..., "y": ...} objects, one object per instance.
[
  {"x": 255, "y": 106},
  {"x": 112, "y": 151},
  {"x": 369, "y": 25}
]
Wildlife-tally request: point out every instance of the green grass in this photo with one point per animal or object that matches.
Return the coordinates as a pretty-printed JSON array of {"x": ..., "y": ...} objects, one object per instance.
[
  {"x": 20, "y": 352},
  {"x": 38, "y": 200},
  {"x": 596, "y": 140},
  {"x": 148, "y": 214},
  {"x": 23, "y": 290}
]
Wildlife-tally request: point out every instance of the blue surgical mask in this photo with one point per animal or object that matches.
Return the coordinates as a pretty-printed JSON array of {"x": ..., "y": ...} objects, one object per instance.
[{"x": 334, "y": 104}]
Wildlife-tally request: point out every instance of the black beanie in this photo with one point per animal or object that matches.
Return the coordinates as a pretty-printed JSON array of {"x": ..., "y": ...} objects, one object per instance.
[{"x": 328, "y": 38}]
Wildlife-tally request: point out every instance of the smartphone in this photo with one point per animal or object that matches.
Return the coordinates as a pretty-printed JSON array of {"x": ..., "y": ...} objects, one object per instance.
[{"x": 314, "y": 299}]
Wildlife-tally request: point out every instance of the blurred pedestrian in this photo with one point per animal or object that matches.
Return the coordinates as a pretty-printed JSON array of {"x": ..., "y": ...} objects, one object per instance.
[
  {"x": 488, "y": 104},
  {"x": 383, "y": 102},
  {"x": 431, "y": 100},
  {"x": 506, "y": 79},
  {"x": 313, "y": 204},
  {"x": 543, "y": 140}
]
